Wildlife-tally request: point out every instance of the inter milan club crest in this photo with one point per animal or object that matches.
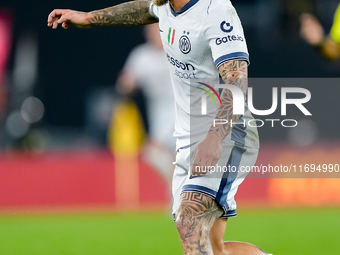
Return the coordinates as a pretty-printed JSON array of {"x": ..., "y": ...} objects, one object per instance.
[
  {"x": 184, "y": 43},
  {"x": 171, "y": 36}
]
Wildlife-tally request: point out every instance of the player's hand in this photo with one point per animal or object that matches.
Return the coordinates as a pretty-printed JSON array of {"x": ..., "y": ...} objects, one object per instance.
[
  {"x": 311, "y": 29},
  {"x": 207, "y": 154},
  {"x": 68, "y": 17}
]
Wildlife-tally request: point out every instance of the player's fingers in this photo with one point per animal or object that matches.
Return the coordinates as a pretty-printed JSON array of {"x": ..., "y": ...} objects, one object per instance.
[
  {"x": 201, "y": 167},
  {"x": 64, "y": 25},
  {"x": 55, "y": 24},
  {"x": 51, "y": 21},
  {"x": 196, "y": 166},
  {"x": 204, "y": 167},
  {"x": 55, "y": 14},
  {"x": 199, "y": 170},
  {"x": 209, "y": 163},
  {"x": 212, "y": 164},
  {"x": 56, "y": 17},
  {"x": 51, "y": 18}
]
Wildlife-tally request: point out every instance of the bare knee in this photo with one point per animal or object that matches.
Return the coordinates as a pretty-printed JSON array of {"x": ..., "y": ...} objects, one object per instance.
[
  {"x": 218, "y": 246},
  {"x": 186, "y": 224}
]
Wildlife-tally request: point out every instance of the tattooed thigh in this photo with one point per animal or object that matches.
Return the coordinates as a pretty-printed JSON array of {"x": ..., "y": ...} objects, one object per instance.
[{"x": 195, "y": 217}]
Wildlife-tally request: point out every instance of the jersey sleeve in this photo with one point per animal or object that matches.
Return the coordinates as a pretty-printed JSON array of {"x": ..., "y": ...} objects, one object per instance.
[
  {"x": 154, "y": 10},
  {"x": 224, "y": 33},
  {"x": 335, "y": 30}
]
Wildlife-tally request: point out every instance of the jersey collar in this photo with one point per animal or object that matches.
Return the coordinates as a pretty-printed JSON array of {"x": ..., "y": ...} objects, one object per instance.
[{"x": 184, "y": 8}]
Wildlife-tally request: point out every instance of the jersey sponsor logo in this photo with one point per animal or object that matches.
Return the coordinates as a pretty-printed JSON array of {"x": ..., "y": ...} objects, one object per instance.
[
  {"x": 185, "y": 75},
  {"x": 179, "y": 64},
  {"x": 184, "y": 44},
  {"x": 171, "y": 36},
  {"x": 226, "y": 27},
  {"x": 229, "y": 38}
]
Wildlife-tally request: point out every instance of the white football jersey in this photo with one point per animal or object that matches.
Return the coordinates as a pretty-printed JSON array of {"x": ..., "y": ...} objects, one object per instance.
[{"x": 197, "y": 39}]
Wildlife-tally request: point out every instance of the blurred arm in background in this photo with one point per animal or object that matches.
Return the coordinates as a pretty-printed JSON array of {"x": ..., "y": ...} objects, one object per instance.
[{"x": 313, "y": 32}]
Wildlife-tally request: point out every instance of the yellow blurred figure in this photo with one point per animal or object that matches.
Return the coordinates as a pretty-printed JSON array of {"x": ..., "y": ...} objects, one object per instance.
[
  {"x": 126, "y": 130},
  {"x": 335, "y": 30}
]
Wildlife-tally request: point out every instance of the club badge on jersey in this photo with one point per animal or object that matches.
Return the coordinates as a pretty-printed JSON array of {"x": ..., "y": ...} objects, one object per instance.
[{"x": 184, "y": 43}]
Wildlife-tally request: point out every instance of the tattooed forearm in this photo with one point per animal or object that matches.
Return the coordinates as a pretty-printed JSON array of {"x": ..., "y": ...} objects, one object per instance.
[
  {"x": 196, "y": 215},
  {"x": 233, "y": 73},
  {"x": 127, "y": 14}
]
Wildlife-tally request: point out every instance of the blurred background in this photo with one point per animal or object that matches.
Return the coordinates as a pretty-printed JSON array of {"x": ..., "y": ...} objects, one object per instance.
[{"x": 70, "y": 170}]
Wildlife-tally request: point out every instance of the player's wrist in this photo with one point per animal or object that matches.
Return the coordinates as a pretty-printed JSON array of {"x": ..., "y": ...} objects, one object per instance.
[{"x": 88, "y": 19}]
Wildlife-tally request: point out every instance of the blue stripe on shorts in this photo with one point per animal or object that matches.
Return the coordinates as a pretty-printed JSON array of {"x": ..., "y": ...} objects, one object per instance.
[{"x": 229, "y": 177}]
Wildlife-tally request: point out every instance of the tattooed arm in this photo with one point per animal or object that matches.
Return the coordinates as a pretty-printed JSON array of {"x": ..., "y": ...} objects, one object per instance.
[
  {"x": 133, "y": 13},
  {"x": 233, "y": 73},
  {"x": 209, "y": 151}
]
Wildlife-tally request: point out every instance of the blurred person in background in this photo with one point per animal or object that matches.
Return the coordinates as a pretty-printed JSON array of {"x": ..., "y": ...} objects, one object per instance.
[
  {"x": 147, "y": 68},
  {"x": 313, "y": 32}
]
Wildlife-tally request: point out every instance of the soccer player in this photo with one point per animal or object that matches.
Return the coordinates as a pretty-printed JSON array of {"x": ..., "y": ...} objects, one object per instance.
[
  {"x": 202, "y": 39},
  {"x": 313, "y": 32}
]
